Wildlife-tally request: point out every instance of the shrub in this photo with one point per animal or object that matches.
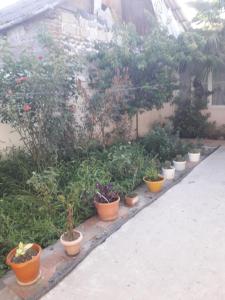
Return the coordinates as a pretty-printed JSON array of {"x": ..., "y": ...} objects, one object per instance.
[
  {"x": 36, "y": 94},
  {"x": 23, "y": 217},
  {"x": 45, "y": 186},
  {"x": 126, "y": 165},
  {"x": 190, "y": 121},
  {"x": 15, "y": 169},
  {"x": 152, "y": 171},
  {"x": 89, "y": 173},
  {"x": 163, "y": 143}
]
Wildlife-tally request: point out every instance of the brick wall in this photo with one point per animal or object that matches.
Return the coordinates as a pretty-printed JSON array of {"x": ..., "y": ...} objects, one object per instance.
[{"x": 79, "y": 30}]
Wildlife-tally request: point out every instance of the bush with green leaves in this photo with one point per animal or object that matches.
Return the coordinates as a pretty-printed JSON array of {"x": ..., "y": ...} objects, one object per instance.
[
  {"x": 16, "y": 168},
  {"x": 163, "y": 143},
  {"x": 126, "y": 165},
  {"x": 90, "y": 172},
  {"x": 36, "y": 93},
  {"x": 131, "y": 74},
  {"x": 152, "y": 171}
]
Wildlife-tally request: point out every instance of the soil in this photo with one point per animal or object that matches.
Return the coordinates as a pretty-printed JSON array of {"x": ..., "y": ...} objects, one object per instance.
[
  {"x": 155, "y": 180},
  {"x": 133, "y": 195},
  {"x": 26, "y": 257},
  {"x": 159, "y": 179},
  {"x": 69, "y": 238},
  {"x": 104, "y": 202}
]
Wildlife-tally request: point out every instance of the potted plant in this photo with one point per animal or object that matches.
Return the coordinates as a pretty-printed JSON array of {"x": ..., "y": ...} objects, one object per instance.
[
  {"x": 168, "y": 170},
  {"x": 179, "y": 163},
  {"x": 131, "y": 199},
  {"x": 194, "y": 154},
  {"x": 71, "y": 239},
  {"x": 25, "y": 262},
  {"x": 106, "y": 202},
  {"x": 153, "y": 180}
]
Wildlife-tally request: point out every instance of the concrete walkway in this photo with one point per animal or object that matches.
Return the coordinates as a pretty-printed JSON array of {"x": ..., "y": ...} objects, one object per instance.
[{"x": 173, "y": 249}]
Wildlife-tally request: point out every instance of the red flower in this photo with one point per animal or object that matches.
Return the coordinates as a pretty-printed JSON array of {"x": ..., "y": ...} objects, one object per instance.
[
  {"x": 26, "y": 107},
  {"x": 40, "y": 57},
  {"x": 21, "y": 79}
]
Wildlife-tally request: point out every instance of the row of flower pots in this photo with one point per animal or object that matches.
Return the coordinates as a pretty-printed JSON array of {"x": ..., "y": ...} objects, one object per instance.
[
  {"x": 179, "y": 163},
  {"x": 155, "y": 181},
  {"x": 25, "y": 259}
]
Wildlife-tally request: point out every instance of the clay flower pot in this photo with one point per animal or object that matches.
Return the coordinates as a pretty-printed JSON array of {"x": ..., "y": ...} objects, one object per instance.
[
  {"x": 108, "y": 211},
  {"x": 72, "y": 248},
  {"x": 169, "y": 173},
  {"x": 27, "y": 273},
  {"x": 194, "y": 157},
  {"x": 154, "y": 186},
  {"x": 131, "y": 199}
]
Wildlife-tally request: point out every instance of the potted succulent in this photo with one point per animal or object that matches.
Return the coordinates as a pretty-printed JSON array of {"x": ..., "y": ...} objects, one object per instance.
[
  {"x": 153, "y": 180},
  {"x": 71, "y": 239},
  {"x": 168, "y": 170},
  {"x": 106, "y": 202},
  {"x": 180, "y": 163},
  {"x": 25, "y": 262},
  {"x": 131, "y": 199},
  {"x": 194, "y": 154}
]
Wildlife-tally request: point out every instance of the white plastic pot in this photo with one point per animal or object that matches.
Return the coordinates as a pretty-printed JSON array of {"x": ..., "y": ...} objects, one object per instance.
[
  {"x": 72, "y": 248},
  {"x": 169, "y": 173},
  {"x": 179, "y": 165},
  {"x": 194, "y": 157}
]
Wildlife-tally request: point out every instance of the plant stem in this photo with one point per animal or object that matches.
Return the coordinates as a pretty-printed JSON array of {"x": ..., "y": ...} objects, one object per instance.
[{"x": 103, "y": 197}]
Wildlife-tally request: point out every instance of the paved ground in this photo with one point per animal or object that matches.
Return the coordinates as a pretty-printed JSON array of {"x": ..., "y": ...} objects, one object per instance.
[{"x": 174, "y": 249}]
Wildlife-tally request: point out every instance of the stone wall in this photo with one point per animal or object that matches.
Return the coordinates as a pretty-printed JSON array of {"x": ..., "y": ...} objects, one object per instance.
[{"x": 79, "y": 29}]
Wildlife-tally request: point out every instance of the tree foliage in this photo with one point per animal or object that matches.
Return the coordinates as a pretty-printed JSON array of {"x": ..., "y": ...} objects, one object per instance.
[{"x": 35, "y": 98}]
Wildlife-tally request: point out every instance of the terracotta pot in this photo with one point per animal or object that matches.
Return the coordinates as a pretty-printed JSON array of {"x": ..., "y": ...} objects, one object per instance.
[
  {"x": 72, "y": 248},
  {"x": 179, "y": 165},
  {"x": 169, "y": 173},
  {"x": 131, "y": 200},
  {"x": 194, "y": 157},
  {"x": 154, "y": 186},
  {"x": 108, "y": 211},
  {"x": 27, "y": 273}
]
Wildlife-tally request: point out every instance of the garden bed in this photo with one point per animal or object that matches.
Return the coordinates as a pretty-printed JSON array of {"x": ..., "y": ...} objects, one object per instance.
[{"x": 56, "y": 264}]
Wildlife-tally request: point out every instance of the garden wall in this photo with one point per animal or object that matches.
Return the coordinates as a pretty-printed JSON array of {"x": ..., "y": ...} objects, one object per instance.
[{"x": 79, "y": 30}]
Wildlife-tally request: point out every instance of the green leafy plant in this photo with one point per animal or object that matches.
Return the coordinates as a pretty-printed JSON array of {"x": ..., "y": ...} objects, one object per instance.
[
  {"x": 179, "y": 158},
  {"x": 167, "y": 165},
  {"x": 24, "y": 252},
  {"x": 162, "y": 141},
  {"x": 89, "y": 172},
  {"x": 195, "y": 150},
  {"x": 36, "y": 93},
  {"x": 132, "y": 195},
  {"x": 151, "y": 172},
  {"x": 70, "y": 199},
  {"x": 45, "y": 185},
  {"x": 22, "y": 249},
  {"x": 131, "y": 74},
  {"x": 16, "y": 168},
  {"x": 126, "y": 164}
]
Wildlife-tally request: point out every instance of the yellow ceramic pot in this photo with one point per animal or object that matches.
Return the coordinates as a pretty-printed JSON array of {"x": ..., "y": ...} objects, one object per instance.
[{"x": 154, "y": 186}]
